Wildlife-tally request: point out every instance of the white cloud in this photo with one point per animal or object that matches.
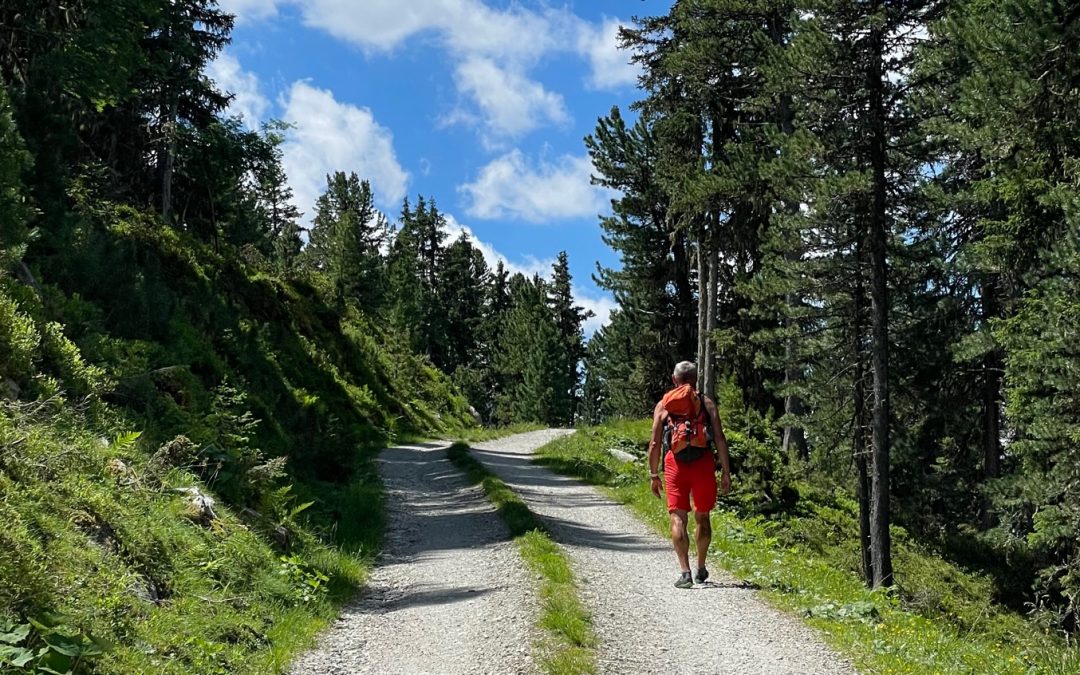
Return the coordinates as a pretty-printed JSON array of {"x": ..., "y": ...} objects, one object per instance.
[
  {"x": 510, "y": 103},
  {"x": 509, "y": 188},
  {"x": 333, "y": 136},
  {"x": 529, "y": 266},
  {"x": 601, "y": 307},
  {"x": 492, "y": 50},
  {"x": 611, "y": 67},
  {"x": 248, "y": 100},
  {"x": 465, "y": 26},
  {"x": 250, "y": 10}
]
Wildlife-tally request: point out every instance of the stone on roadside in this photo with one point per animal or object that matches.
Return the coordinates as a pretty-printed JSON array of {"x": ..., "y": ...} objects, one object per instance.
[{"x": 622, "y": 455}]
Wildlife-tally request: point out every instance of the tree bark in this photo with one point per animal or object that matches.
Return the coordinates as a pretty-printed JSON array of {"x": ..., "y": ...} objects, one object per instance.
[
  {"x": 168, "y": 162},
  {"x": 879, "y": 306},
  {"x": 709, "y": 369},
  {"x": 684, "y": 295},
  {"x": 859, "y": 436},
  {"x": 991, "y": 396},
  {"x": 703, "y": 299}
]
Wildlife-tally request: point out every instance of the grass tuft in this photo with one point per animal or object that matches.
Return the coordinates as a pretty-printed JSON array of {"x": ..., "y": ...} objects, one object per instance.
[
  {"x": 568, "y": 648},
  {"x": 940, "y": 620}
]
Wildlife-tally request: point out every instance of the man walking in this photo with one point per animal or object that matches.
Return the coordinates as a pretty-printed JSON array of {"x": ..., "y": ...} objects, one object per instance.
[{"x": 687, "y": 424}]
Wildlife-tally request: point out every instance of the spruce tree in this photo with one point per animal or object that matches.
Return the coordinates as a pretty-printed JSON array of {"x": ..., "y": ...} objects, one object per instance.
[
  {"x": 15, "y": 211},
  {"x": 568, "y": 321},
  {"x": 528, "y": 356},
  {"x": 346, "y": 239}
]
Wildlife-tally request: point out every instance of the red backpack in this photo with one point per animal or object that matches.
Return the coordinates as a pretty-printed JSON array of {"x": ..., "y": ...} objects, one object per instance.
[{"x": 687, "y": 423}]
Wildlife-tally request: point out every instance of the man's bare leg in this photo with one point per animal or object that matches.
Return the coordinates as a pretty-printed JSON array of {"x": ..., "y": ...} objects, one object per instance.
[
  {"x": 703, "y": 537},
  {"x": 680, "y": 539}
]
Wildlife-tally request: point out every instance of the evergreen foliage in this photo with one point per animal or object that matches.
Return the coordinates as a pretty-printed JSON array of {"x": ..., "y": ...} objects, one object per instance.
[{"x": 864, "y": 213}]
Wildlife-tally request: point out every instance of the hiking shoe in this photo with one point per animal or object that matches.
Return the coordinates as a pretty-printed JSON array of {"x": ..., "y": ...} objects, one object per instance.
[
  {"x": 702, "y": 575},
  {"x": 684, "y": 580}
]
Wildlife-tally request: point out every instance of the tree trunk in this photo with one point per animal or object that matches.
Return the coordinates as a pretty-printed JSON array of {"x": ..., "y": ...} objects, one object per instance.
[
  {"x": 879, "y": 307},
  {"x": 991, "y": 411},
  {"x": 684, "y": 295},
  {"x": 859, "y": 436},
  {"x": 863, "y": 486},
  {"x": 703, "y": 301},
  {"x": 167, "y": 163},
  {"x": 794, "y": 436},
  {"x": 709, "y": 369}
]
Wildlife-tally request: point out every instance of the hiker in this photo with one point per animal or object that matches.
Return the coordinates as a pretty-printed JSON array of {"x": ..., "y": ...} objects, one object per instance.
[{"x": 687, "y": 424}]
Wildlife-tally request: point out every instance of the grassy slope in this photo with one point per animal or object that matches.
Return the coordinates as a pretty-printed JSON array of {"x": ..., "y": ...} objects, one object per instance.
[
  {"x": 95, "y": 532},
  {"x": 942, "y": 620},
  {"x": 569, "y": 648}
]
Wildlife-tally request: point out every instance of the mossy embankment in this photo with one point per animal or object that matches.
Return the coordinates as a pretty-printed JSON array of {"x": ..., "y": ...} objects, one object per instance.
[
  {"x": 941, "y": 617},
  {"x": 159, "y": 373},
  {"x": 568, "y": 647}
]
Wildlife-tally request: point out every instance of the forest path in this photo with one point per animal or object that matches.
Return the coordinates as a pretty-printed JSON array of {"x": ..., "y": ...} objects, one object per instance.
[
  {"x": 449, "y": 593},
  {"x": 626, "y": 575}
]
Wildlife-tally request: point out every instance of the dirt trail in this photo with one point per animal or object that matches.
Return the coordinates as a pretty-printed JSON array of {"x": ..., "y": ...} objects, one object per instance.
[
  {"x": 626, "y": 574},
  {"x": 449, "y": 594}
]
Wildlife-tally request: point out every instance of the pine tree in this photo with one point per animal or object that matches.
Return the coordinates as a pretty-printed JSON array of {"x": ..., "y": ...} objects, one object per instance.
[
  {"x": 568, "y": 321},
  {"x": 346, "y": 239},
  {"x": 15, "y": 211},
  {"x": 275, "y": 201},
  {"x": 653, "y": 284},
  {"x": 415, "y": 268},
  {"x": 528, "y": 356},
  {"x": 461, "y": 293}
]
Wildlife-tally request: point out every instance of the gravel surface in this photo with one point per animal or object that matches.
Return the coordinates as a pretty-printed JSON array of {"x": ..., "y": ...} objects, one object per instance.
[
  {"x": 449, "y": 594},
  {"x": 626, "y": 572}
]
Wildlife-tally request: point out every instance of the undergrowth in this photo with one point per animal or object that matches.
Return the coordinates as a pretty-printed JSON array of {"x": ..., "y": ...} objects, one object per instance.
[
  {"x": 186, "y": 474},
  {"x": 482, "y": 434},
  {"x": 940, "y": 618},
  {"x": 569, "y": 646}
]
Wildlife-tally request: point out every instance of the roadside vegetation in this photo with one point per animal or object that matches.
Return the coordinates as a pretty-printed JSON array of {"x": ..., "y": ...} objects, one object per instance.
[
  {"x": 568, "y": 646},
  {"x": 204, "y": 501},
  {"x": 804, "y": 556},
  {"x": 481, "y": 434}
]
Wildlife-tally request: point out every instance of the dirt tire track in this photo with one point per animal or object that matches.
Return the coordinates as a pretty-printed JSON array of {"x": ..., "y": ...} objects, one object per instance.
[
  {"x": 449, "y": 593},
  {"x": 625, "y": 572}
]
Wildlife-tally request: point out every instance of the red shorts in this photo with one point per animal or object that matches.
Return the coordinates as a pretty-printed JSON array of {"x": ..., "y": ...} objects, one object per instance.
[{"x": 686, "y": 480}]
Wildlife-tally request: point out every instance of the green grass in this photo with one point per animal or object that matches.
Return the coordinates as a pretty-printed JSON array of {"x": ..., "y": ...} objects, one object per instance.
[
  {"x": 939, "y": 620},
  {"x": 250, "y": 368},
  {"x": 568, "y": 647},
  {"x": 481, "y": 434},
  {"x": 115, "y": 557}
]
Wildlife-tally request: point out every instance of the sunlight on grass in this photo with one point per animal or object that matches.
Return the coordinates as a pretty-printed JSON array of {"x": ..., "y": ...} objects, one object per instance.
[
  {"x": 802, "y": 566},
  {"x": 568, "y": 647}
]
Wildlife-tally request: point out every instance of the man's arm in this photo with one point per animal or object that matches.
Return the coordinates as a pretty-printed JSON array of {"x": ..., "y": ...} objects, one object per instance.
[
  {"x": 654, "y": 448},
  {"x": 721, "y": 445}
]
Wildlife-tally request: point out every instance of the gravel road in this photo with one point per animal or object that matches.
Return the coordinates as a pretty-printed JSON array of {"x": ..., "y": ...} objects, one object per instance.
[
  {"x": 626, "y": 572},
  {"x": 449, "y": 594}
]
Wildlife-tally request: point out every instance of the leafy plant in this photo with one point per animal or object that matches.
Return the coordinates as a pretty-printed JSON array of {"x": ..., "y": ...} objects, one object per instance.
[
  {"x": 45, "y": 645},
  {"x": 308, "y": 584}
]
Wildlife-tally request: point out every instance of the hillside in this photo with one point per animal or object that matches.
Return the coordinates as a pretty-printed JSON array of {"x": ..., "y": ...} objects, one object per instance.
[{"x": 186, "y": 371}]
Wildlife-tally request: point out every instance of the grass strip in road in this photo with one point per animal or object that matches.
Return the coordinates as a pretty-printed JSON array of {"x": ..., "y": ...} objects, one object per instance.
[
  {"x": 482, "y": 434},
  {"x": 569, "y": 647},
  {"x": 941, "y": 620}
]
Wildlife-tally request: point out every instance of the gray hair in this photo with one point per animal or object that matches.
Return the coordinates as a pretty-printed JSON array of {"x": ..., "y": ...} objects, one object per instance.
[{"x": 685, "y": 373}]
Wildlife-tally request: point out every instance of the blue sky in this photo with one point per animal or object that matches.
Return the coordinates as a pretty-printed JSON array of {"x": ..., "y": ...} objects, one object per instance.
[{"x": 480, "y": 104}]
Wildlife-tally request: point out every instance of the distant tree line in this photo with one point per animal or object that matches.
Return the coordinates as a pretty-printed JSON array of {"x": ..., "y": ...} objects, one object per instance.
[
  {"x": 112, "y": 102},
  {"x": 865, "y": 215},
  {"x": 513, "y": 344}
]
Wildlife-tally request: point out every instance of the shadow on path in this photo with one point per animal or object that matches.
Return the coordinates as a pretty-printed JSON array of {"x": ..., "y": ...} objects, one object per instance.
[{"x": 537, "y": 485}]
